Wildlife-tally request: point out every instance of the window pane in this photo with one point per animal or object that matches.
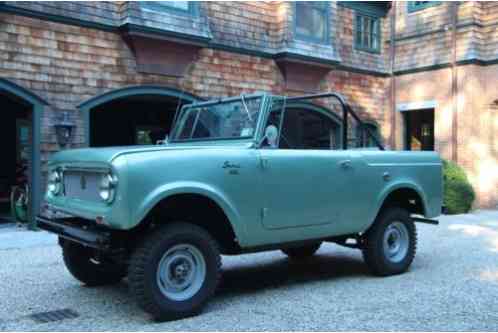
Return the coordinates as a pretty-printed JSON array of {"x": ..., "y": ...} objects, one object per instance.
[
  {"x": 367, "y": 32},
  {"x": 419, "y": 5},
  {"x": 311, "y": 20},
  {"x": 183, "y": 5},
  {"x": 165, "y": 5},
  {"x": 375, "y": 42},
  {"x": 372, "y": 34},
  {"x": 187, "y": 125},
  {"x": 224, "y": 120},
  {"x": 359, "y": 30}
]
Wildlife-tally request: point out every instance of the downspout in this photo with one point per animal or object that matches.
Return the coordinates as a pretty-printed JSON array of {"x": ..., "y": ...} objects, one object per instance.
[
  {"x": 392, "y": 55},
  {"x": 454, "y": 82}
]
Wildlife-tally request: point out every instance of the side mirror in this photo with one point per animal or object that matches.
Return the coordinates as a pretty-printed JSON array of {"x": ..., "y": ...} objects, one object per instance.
[{"x": 271, "y": 135}]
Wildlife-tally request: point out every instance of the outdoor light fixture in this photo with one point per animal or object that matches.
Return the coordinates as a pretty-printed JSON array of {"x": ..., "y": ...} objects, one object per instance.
[{"x": 63, "y": 129}]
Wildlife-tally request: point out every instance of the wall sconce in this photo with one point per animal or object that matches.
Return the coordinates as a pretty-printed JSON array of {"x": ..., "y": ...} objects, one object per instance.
[{"x": 64, "y": 129}]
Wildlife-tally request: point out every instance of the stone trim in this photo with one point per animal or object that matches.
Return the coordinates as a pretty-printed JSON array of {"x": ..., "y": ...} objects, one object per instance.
[
  {"x": 478, "y": 62},
  {"x": 410, "y": 106}
]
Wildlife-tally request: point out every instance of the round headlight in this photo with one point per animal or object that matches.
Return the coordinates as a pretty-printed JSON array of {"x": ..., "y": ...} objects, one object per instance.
[
  {"x": 107, "y": 187},
  {"x": 55, "y": 182}
]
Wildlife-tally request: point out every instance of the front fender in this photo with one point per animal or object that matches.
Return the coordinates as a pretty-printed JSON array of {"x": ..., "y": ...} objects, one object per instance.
[{"x": 188, "y": 187}]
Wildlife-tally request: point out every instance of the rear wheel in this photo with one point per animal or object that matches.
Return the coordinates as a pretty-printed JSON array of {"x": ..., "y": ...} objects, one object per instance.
[
  {"x": 390, "y": 244},
  {"x": 88, "y": 268},
  {"x": 302, "y": 252},
  {"x": 175, "y": 271}
]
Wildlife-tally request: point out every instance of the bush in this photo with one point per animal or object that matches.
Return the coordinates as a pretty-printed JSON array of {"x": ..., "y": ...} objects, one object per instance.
[{"x": 458, "y": 192}]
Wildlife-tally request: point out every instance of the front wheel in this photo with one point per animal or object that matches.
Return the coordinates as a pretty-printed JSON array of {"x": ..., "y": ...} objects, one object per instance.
[
  {"x": 390, "y": 244},
  {"x": 83, "y": 263},
  {"x": 175, "y": 271}
]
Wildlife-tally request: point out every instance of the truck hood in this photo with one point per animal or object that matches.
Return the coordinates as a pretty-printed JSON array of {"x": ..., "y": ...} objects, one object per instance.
[{"x": 108, "y": 154}]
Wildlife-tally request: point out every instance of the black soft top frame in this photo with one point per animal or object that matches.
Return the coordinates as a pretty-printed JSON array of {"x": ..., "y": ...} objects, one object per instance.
[{"x": 346, "y": 109}]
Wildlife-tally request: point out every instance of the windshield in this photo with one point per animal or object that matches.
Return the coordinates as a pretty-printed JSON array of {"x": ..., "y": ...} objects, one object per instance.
[{"x": 234, "y": 119}]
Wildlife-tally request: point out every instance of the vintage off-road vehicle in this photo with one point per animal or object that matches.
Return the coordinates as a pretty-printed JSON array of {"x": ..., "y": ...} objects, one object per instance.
[{"x": 236, "y": 175}]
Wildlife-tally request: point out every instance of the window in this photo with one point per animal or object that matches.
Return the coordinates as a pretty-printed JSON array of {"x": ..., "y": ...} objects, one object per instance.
[
  {"x": 235, "y": 119},
  {"x": 179, "y": 7},
  {"x": 367, "y": 33},
  {"x": 312, "y": 21},
  {"x": 414, "y": 6}
]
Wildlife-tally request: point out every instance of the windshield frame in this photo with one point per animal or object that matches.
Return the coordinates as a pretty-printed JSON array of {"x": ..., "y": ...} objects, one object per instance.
[{"x": 249, "y": 138}]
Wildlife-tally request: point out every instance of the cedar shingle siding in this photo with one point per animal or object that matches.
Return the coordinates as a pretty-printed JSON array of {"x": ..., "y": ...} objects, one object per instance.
[{"x": 69, "y": 52}]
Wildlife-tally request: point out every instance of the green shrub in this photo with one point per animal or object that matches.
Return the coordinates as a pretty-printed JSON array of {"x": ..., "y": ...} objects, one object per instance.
[{"x": 458, "y": 192}]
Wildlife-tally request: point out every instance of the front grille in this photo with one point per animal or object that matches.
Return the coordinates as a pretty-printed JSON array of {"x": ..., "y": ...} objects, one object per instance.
[{"x": 82, "y": 185}]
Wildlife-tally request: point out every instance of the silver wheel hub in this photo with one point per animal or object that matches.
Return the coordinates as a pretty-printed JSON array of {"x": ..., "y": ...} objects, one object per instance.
[
  {"x": 181, "y": 272},
  {"x": 396, "y": 242}
]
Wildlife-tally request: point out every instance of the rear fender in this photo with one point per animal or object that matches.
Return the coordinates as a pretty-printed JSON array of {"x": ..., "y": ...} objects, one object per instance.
[{"x": 390, "y": 189}]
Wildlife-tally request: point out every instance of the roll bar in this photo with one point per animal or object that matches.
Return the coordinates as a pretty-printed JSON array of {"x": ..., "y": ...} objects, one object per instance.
[{"x": 346, "y": 109}]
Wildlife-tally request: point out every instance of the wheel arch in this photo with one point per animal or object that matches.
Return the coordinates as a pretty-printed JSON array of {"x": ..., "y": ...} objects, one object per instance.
[
  {"x": 217, "y": 214},
  {"x": 405, "y": 195}
]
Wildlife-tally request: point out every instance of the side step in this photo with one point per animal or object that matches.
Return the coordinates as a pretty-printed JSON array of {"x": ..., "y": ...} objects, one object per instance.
[{"x": 423, "y": 220}]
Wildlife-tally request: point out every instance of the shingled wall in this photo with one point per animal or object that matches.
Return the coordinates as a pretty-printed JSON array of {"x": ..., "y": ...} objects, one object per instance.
[{"x": 68, "y": 63}]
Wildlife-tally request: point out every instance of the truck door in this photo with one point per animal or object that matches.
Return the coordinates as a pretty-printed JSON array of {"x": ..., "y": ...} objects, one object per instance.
[{"x": 306, "y": 181}]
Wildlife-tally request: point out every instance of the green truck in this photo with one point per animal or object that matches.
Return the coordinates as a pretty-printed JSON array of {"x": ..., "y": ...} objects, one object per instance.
[{"x": 236, "y": 175}]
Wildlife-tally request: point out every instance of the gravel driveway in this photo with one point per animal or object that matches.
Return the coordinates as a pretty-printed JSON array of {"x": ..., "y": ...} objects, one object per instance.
[{"x": 452, "y": 285}]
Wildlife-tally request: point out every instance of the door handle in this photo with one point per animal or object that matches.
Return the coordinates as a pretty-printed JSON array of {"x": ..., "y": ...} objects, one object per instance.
[{"x": 346, "y": 164}]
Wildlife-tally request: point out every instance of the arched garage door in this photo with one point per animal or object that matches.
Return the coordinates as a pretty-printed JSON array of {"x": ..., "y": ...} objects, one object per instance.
[
  {"x": 132, "y": 116},
  {"x": 21, "y": 114}
]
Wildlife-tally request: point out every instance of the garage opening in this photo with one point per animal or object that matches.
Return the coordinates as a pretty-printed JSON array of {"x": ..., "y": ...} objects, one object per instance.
[
  {"x": 15, "y": 135},
  {"x": 133, "y": 120}
]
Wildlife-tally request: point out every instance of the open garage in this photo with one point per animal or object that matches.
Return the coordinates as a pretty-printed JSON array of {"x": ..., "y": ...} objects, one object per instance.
[{"x": 132, "y": 116}]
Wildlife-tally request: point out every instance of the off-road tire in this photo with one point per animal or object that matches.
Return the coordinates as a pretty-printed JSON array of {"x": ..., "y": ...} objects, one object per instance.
[
  {"x": 374, "y": 254},
  {"x": 302, "y": 252},
  {"x": 81, "y": 263},
  {"x": 145, "y": 260}
]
